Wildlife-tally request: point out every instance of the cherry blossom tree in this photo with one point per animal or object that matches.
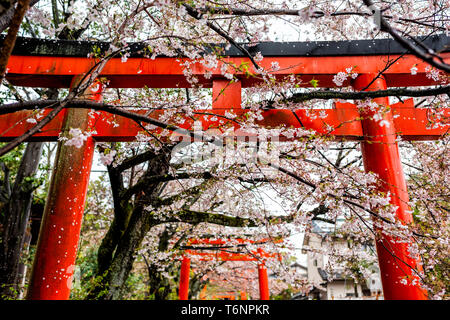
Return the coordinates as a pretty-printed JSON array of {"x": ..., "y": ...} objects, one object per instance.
[{"x": 314, "y": 177}]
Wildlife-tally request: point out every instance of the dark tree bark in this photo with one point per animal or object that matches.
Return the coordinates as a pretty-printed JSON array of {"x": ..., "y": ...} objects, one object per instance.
[
  {"x": 159, "y": 286},
  {"x": 131, "y": 223},
  {"x": 10, "y": 39},
  {"x": 7, "y": 12},
  {"x": 15, "y": 214},
  {"x": 15, "y": 211}
]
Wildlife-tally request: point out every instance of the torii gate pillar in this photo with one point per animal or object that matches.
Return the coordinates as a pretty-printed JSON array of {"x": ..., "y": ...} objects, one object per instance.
[
  {"x": 54, "y": 263},
  {"x": 263, "y": 282},
  {"x": 263, "y": 279},
  {"x": 381, "y": 156},
  {"x": 184, "y": 278}
]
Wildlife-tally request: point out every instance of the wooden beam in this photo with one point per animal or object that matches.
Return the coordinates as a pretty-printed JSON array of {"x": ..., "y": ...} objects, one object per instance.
[
  {"x": 57, "y": 72},
  {"x": 343, "y": 123}
]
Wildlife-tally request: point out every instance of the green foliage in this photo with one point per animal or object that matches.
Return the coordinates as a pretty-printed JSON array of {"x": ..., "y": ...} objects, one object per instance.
[
  {"x": 314, "y": 83},
  {"x": 32, "y": 183},
  {"x": 135, "y": 287},
  {"x": 12, "y": 160},
  {"x": 83, "y": 278},
  {"x": 286, "y": 294},
  {"x": 14, "y": 293},
  {"x": 98, "y": 210},
  {"x": 96, "y": 52}
]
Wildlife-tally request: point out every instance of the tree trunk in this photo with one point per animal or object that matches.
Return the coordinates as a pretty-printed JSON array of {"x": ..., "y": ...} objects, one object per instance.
[
  {"x": 16, "y": 213},
  {"x": 113, "y": 272},
  {"x": 125, "y": 254},
  {"x": 159, "y": 286},
  {"x": 7, "y": 15}
]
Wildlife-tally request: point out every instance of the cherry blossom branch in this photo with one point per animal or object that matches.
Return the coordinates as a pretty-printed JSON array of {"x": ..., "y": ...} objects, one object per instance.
[
  {"x": 426, "y": 55},
  {"x": 84, "y": 82},
  {"x": 197, "y": 15},
  {"x": 313, "y": 14},
  {"x": 134, "y": 161},
  {"x": 144, "y": 181},
  {"x": 314, "y": 187},
  {"x": 196, "y": 217},
  {"x": 296, "y": 98},
  {"x": 81, "y": 87},
  {"x": 390, "y": 251},
  {"x": 88, "y": 104},
  {"x": 361, "y": 95},
  {"x": 346, "y": 201}
]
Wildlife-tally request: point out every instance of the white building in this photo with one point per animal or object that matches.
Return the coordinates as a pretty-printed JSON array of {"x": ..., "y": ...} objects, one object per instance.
[{"x": 334, "y": 286}]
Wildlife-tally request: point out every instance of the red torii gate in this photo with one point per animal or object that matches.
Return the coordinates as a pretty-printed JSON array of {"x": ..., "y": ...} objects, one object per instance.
[
  {"x": 224, "y": 255},
  {"x": 58, "y": 241}
]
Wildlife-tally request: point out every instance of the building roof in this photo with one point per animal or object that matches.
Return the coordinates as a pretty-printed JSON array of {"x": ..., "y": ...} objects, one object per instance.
[
  {"x": 298, "y": 265},
  {"x": 336, "y": 275}
]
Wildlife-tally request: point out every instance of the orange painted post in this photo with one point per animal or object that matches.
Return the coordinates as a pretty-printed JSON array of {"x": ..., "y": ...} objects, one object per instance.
[
  {"x": 381, "y": 156},
  {"x": 243, "y": 295},
  {"x": 263, "y": 282},
  {"x": 263, "y": 279},
  {"x": 184, "y": 278},
  {"x": 54, "y": 263}
]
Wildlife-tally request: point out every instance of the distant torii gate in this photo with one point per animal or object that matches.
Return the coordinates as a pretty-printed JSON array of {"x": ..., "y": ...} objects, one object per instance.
[
  {"x": 222, "y": 254},
  {"x": 55, "y": 64}
]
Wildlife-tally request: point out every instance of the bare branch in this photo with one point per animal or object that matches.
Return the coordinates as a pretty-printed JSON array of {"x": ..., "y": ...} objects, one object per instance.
[{"x": 361, "y": 95}]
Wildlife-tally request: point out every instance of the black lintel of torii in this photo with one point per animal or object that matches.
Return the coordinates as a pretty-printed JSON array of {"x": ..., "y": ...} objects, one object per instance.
[{"x": 68, "y": 48}]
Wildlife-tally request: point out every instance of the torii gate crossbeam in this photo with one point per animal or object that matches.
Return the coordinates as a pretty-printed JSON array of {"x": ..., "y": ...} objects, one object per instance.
[{"x": 313, "y": 60}]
